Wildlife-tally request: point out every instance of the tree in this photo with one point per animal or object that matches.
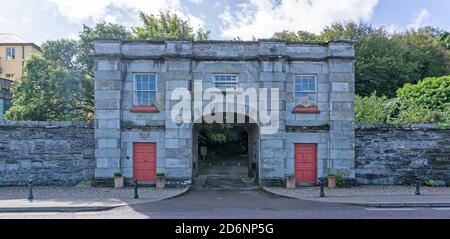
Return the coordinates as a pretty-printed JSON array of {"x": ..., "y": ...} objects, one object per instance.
[
  {"x": 371, "y": 109},
  {"x": 444, "y": 39},
  {"x": 381, "y": 66},
  {"x": 429, "y": 57},
  {"x": 167, "y": 25},
  {"x": 52, "y": 86},
  {"x": 350, "y": 31},
  {"x": 296, "y": 37},
  {"x": 433, "y": 92},
  {"x": 89, "y": 34},
  {"x": 385, "y": 62},
  {"x": 59, "y": 84}
]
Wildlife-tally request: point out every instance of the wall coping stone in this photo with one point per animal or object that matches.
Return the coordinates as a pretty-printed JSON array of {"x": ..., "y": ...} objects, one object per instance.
[
  {"x": 111, "y": 40},
  {"x": 46, "y": 124},
  {"x": 369, "y": 127}
]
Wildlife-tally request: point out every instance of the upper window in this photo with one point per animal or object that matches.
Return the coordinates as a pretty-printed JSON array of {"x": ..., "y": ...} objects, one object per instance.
[
  {"x": 144, "y": 89},
  {"x": 305, "y": 91},
  {"x": 9, "y": 76},
  {"x": 226, "y": 81},
  {"x": 10, "y": 53}
]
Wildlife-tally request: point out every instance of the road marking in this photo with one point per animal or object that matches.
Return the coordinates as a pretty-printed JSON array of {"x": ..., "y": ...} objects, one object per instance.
[
  {"x": 441, "y": 208},
  {"x": 391, "y": 209}
]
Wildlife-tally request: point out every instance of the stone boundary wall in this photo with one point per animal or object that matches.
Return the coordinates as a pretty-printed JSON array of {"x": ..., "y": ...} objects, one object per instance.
[
  {"x": 51, "y": 153},
  {"x": 62, "y": 153},
  {"x": 390, "y": 154}
]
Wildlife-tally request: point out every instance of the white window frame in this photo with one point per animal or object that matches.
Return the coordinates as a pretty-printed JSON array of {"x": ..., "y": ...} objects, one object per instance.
[
  {"x": 236, "y": 82},
  {"x": 13, "y": 56},
  {"x": 134, "y": 95},
  {"x": 9, "y": 76},
  {"x": 298, "y": 77}
]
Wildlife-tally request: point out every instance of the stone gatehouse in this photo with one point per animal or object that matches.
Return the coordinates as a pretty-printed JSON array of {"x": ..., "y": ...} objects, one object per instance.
[{"x": 136, "y": 135}]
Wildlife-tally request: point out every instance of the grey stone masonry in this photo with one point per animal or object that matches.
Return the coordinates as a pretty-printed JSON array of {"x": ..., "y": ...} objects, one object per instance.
[
  {"x": 50, "y": 153},
  {"x": 108, "y": 94},
  {"x": 62, "y": 153},
  {"x": 258, "y": 64},
  {"x": 396, "y": 155}
]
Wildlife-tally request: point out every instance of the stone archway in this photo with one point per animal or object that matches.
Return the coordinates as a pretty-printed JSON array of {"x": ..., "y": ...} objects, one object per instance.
[{"x": 228, "y": 175}]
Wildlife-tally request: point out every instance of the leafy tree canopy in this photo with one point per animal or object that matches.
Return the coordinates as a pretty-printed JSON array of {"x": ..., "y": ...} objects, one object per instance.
[
  {"x": 167, "y": 25},
  {"x": 385, "y": 62}
]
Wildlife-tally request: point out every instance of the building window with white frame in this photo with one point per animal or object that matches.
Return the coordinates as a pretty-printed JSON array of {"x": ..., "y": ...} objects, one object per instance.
[
  {"x": 10, "y": 53},
  {"x": 144, "y": 89},
  {"x": 9, "y": 76},
  {"x": 226, "y": 81},
  {"x": 306, "y": 91}
]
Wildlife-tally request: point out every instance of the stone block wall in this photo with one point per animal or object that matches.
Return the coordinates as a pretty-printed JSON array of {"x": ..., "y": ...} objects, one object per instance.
[
  {"x": 397, "y": 154},
  {"x": 258, "y": 64},
  {"x": 51, "y": 153},
  {"x": 62, "y": 153}
]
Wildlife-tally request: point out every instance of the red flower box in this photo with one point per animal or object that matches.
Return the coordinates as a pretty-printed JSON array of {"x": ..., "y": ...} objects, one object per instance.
[
  {"x": 144, "y": 109},
  {"x": 306, "y": 110}
]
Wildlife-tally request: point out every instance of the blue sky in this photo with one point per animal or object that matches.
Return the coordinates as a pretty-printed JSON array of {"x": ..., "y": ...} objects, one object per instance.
[{"x": 39, "y": 20}]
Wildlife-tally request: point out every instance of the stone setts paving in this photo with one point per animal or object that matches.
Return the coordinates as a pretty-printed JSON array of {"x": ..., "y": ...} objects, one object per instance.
[
  {"x": 370, "y": 194},
  {"x": 89, "y": 194}
]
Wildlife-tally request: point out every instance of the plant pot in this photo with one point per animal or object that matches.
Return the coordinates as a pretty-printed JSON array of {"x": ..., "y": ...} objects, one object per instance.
[
  {"x": 331, "y": 181},
  {"x": 118, "y": 182},
  {"x": 160, "y": 182},
  {"x": 290, "y": 183}
]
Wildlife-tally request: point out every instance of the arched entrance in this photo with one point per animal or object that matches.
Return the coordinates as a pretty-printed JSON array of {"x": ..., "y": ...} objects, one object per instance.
[{"x": 230, "y": 165}]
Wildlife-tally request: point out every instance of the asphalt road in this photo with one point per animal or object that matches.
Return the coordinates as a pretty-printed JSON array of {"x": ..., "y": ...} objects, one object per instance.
[{"x": 243, "y": 205}]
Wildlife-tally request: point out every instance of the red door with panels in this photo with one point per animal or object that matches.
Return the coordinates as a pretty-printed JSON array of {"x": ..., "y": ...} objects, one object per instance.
[
  {"x": 305, "y": 163},
  {"x": 144, "y": 156}
]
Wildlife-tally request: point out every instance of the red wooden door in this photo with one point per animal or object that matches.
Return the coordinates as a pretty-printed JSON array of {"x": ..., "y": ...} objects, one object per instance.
[
  {"x": 306, "y": 163},
  {"x": 144, "y": 156}
]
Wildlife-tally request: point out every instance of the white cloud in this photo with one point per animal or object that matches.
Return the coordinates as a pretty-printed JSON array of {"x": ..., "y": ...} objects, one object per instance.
[
  {"x": 261, "y": 18},
  {"x": 196, "y": 1},
  {"x": 100, "y": 10},
  {"x": 420, "y": 19},
  {"x": 392, "y": 29}
]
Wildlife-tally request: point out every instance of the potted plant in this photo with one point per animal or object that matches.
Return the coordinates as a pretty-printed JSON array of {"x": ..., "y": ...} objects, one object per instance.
[
  {"x": 118, "y": 180},
  {"x": 331, "y": 178},
  {"x": 160, "y": 180},
  {"x": 290, "y": 180}
]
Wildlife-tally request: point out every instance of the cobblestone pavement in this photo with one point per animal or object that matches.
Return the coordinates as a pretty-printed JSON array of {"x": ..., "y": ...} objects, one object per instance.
[
  {"x": 91, "y": 193},
  {"x": 367, "y": 194}
]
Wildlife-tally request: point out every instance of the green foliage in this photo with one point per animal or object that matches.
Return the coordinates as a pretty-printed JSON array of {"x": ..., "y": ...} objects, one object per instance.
[
  {"x": 160, "y": 174},
  {"x": 411, "y": 113},
  {"x": 340, "y": 182},
  {"x": 429, "y": 183},
  {"x": 296, "y": 36},
  {"x": 290, "y": 175},
  {"x": 52, "y": 87},
  {"x": 167, "y": 25},
  {"x": 385, "y": 62},
  {"x": 427, "y": 102},
  {"x": 85, "y": 183},
  {"x": 433, "y": 92},
  {"x": 444, "y": 39},
  {"x": 59, "y": 85},
  {"x": 371, "y": 109},
  {"x": 117, "y": 174},
  {"x": 89, "y": 34},
  {"x": 220, "y": 134}
]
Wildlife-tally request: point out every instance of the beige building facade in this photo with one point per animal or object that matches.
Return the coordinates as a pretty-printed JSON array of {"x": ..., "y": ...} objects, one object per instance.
[{"x": 13, "y": 52}]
